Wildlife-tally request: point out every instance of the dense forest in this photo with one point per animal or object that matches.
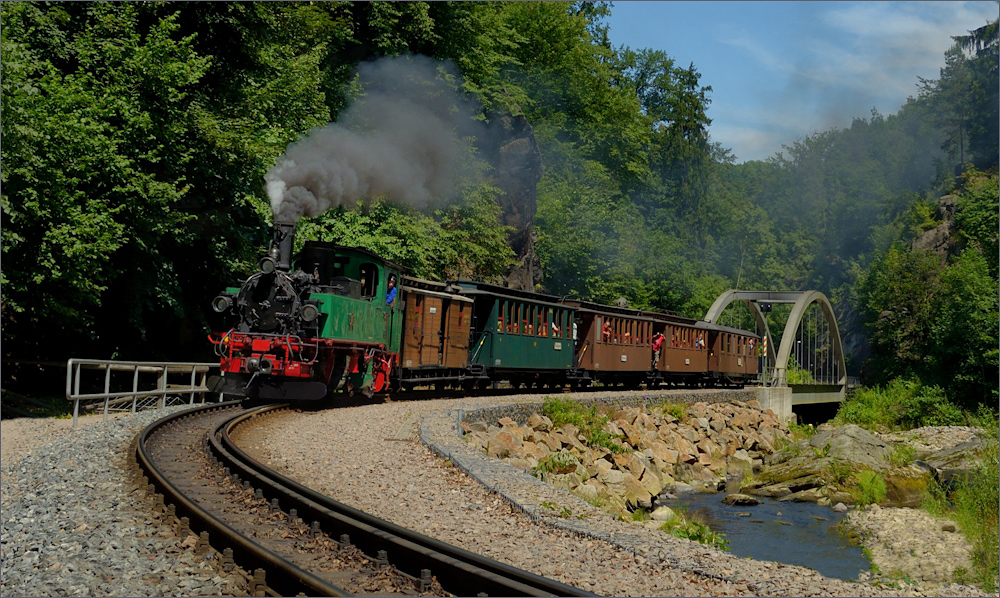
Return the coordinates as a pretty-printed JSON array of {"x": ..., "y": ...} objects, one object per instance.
[{"x": 137, "y": 136}]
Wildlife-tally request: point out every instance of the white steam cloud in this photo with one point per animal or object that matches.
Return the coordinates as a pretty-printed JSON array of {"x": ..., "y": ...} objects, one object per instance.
[{"x": 402, "y": 138}]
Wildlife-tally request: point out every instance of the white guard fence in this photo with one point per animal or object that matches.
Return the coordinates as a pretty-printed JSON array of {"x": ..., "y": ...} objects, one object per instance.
[{"x": 134, "y": 385}]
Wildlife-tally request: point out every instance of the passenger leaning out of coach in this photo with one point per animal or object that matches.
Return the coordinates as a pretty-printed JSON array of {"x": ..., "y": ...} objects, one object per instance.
[{"x": 657, "y": 346}]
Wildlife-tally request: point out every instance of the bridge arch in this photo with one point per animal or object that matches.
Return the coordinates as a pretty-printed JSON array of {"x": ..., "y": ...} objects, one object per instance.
[
  {"x": 806, "y": 299},
  {"x": 802, "y": 301}
]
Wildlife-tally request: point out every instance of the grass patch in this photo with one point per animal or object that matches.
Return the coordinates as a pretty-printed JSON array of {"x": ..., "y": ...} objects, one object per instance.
[
  {"x": 561, "y": 462},
  {"x": 692, "y": 529},
  {"x": 840, "y": 471},
  {"x": 973, "y": 503},
  {"x": 801, "y": 432},
  {"x": 976, "y": 503},
  {"x": 556, "y": 509},
  {"x": 587, "y": 420},
  {"x": 902, "y": 454},
  {"x": 870, "y": 489},
  {"x": 676, "y": 410}
]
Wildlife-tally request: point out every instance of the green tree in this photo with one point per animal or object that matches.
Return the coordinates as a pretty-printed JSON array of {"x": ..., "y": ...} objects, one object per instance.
[{"x": 133, "y": 164}]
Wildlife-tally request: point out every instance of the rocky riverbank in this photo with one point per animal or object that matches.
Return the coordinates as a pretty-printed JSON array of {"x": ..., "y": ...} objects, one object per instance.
[
  {"x": 646, "y": 454},
  {"x": 637, "y": 453}
]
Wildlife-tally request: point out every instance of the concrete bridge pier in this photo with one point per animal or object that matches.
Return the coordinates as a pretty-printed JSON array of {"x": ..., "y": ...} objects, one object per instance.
[{"x": 777, "y": 399}]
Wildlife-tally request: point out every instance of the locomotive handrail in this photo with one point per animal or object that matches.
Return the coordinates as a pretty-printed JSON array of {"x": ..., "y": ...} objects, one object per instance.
[{"x": 75, "y": 366}]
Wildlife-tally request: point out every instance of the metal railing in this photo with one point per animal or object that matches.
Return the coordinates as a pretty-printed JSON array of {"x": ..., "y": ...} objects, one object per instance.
[{"x": 195, "y": 376}]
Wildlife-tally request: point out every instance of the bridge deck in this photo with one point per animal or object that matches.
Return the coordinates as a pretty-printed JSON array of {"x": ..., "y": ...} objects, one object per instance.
[{"x": 803, "y": 394}]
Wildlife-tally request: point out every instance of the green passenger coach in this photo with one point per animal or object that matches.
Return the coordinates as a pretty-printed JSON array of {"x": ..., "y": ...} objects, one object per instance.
[{"x": 525, "y": 338}]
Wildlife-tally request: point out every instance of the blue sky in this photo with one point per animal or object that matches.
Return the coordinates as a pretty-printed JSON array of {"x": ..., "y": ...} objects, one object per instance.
[{"x": 782, "y": 70}]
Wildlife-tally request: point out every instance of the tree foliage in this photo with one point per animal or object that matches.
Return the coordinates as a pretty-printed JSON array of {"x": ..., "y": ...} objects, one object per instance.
[{"x": 136, "y": 136}]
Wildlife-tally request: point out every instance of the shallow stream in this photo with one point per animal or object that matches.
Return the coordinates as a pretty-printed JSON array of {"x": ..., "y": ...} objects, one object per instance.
[{"x": 794, "y": 533}]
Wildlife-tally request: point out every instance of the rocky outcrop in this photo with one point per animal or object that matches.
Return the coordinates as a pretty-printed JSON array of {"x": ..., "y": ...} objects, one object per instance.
[
  {"x": 955, "y": 463},
  {"x": 649, "y": 450},
  {"x": 940, "y": 239},
  {"x": 825, "y": 467},
  {"x": 510, "y": 145}
]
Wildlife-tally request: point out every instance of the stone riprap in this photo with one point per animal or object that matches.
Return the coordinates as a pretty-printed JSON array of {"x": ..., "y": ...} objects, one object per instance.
[{"x": 654, "y": 450}]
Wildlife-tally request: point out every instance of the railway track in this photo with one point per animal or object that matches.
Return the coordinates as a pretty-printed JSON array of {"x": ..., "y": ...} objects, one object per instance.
[{"x": 295, "y": 540}]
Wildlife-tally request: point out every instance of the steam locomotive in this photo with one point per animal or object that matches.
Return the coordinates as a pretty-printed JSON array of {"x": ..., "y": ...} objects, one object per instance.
[{"x": 335, "y": 319}]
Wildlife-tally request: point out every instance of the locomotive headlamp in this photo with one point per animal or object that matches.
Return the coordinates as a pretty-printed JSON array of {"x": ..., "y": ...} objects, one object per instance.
[
  {"x": 309, "y": 313},
  {"x": 259, "y": 364},
  {"x": 222, "y": 303},
  {"x": 266, "y": 265}
]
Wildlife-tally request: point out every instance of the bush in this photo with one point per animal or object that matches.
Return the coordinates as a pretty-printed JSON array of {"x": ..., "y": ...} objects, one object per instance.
[{"x": 902, "y": 404}]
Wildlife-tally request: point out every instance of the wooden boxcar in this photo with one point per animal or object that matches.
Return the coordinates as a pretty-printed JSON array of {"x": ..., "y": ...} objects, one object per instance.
[
  {"x": 436, "y": 332},
  {"x": 522, "y": 337}
]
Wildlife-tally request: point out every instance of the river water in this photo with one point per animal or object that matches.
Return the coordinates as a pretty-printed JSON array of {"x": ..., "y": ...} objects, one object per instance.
[{"x": 795, "y": 533}]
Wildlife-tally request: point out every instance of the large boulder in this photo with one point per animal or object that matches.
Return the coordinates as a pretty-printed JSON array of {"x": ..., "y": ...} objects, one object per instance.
[
  {"x": 636, "y": 493},
  {"x": 504, "y": 444},
  {"x": 955, "y": 463},
  {"x": 854, "y": 445}
]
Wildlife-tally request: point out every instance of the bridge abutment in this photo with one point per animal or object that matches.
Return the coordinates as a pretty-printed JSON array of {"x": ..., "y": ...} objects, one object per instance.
[{"x": 778, "y": 399}]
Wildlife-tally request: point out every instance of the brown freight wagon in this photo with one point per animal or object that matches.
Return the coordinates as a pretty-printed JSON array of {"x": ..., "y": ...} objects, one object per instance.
[{"x": 435, "y": 347}]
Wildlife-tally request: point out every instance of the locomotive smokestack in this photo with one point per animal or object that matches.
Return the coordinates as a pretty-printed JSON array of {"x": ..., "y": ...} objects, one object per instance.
[{"x": 284, "y": 238}]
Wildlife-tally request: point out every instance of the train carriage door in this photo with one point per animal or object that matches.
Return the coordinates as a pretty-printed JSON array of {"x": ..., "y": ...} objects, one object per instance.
[
  {"x": 412, "y": 328},
  {"x": 457, "y": 334}
]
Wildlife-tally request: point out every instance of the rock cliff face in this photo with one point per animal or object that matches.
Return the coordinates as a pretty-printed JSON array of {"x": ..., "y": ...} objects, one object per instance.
[
  {"x": 510, "y": 145},
  {"x": 940, "y": 239}
]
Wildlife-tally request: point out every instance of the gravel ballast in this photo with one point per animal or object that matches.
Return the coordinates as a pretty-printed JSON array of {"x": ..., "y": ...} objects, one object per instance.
[{"x": 74, "y": 524}]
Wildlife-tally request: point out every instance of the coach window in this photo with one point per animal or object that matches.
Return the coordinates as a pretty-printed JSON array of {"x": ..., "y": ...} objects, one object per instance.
[{"x": 501, "y": 308}]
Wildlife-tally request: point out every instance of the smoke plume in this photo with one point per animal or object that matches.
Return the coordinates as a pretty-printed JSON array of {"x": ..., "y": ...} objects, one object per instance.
[{"x": 402, "y": 138}]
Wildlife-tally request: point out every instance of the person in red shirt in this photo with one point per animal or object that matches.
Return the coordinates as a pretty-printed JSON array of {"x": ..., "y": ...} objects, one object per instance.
[{"x": 657, "y": 345}]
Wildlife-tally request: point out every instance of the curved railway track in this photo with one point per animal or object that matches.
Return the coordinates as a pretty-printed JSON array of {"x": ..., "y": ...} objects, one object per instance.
[{"x": 296, "y": 540}]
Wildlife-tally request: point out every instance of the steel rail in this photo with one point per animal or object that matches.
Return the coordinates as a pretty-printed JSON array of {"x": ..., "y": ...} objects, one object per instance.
[
  {"x": 459, "y": 571},
  {"x": 291, "y": 579}
]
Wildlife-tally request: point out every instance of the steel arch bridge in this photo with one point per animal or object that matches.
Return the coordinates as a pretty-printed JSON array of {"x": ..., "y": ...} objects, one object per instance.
[{"x": 817, "y": 372}]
